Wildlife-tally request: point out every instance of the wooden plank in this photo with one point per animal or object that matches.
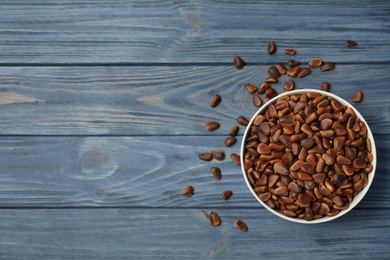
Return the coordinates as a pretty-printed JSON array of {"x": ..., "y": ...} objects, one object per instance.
[
  {"x": 186, "y": 233},
  {"x": 135, "y": 172},
  {"x": 66, "y": 31},
  {"x": 161, "y": 100}
]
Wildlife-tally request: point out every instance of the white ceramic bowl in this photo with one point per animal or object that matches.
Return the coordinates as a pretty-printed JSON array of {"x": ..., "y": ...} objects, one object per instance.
[{"x": 356, "y": 199}]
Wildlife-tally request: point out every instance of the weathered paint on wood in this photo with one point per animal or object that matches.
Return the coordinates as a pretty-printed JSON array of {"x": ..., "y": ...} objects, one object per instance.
[
  {"x": 135, "y": 172},
  {"x": 93, "y": 157},
  {"x": 138, "y": 233},
  {"x": 161, "y": 100},
  {"x": 64, "y": 32}
]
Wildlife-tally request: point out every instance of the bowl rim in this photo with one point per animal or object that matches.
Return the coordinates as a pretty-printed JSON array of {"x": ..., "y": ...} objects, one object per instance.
[{"x": 356, "y": 199}]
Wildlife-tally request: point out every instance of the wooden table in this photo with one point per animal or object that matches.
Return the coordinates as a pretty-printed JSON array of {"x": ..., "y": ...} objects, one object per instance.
[{"x": 103, "y": 112}]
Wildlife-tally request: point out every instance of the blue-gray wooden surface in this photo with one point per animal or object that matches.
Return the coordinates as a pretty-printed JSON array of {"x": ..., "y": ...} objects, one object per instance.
[{"x": 103, "y": 111}]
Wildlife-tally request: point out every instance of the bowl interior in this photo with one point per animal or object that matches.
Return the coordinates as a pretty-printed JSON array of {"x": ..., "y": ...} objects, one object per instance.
[{"x": 356, "y": 199}]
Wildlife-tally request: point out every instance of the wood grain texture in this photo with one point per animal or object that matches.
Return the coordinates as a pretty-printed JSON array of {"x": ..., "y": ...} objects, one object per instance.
[
  {"x": 103, "y": 110},
  {"x": 135, "y": 172},
  {"x": 66, "y": 31},
  {"x": 161, "y": 100},
  {"x": 186, "y": 233}
]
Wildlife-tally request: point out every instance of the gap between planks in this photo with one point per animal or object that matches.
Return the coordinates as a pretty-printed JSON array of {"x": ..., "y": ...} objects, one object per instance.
[
  {"x": 156, "y": 208},
  {"x": 170, "y": 64}
]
